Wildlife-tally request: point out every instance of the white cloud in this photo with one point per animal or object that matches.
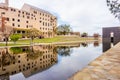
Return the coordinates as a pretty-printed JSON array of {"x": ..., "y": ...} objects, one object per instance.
[{"x": 83, "y": 15}]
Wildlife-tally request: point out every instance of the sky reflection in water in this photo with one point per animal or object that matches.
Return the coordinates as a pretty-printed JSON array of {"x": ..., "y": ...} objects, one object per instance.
[{"x": 69, "y": 60}]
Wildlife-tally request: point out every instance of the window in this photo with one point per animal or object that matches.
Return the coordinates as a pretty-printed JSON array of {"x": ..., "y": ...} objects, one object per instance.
[
  {"x": 18, "y": 15},
  {"x": 13, "y": 24},
  {"x": 7, "y": 19},
  {"x": 40, "y": 21},
  {"x": 18, "y": 56},
  {"x": 27, "y": 22},
  {"x": 18, "y": 25},
  {"x": 28, "y": 17},
  {"x": 35, "y": 12},
  {"x": 27, "y": 26},
  {"x": 22, "y": 12},
  {"x": 14, "y": 10},
  {"x": 13, "y": 19},
  {"x": 43, "y": 23},
  {"x": 18, "y": 32},
  {"x": 31, "y": 14},
  {"x": 19, "y": 11},
  {"x": 18, "y": 61},
  {"x": 26, "y": 13},
  {"x": 11, "y": 9},
  {"x": 18, "y": 20}
]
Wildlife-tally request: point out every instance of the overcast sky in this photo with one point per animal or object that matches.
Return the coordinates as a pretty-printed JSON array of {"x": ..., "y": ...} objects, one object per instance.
[{"x": 83, "y": 15}]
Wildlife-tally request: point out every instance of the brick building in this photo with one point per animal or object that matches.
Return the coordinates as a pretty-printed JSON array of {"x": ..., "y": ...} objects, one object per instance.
[{"x": 28, "y": 17}]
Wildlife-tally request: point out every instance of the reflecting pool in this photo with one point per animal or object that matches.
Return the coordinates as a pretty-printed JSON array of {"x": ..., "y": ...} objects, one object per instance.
[{"x": 46, "y": 62}]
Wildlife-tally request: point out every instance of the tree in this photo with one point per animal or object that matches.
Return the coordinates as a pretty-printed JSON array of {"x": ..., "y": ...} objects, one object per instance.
[
  {"x": 34, "y": 54},
  {"x": 84, "y": 44},
  {"x": 49, "y": 33},
  {"x": 7, "y": 58},
  {"x": 84, "y": 34},
  {"x": 114, "y": 7},
  {"x": 33, "y": 33},
  {"x": 54, "y": 31},
  {"x": 96, "y": 43},
  {"x": 96, "y": 35},
  {"x": 64, "y": 51},
  {"x": 16, "y": 50},
  {"x": 15, "y": 37},
  {"x": 64, "y": 29},
  {"x": 6, "y": 32}
]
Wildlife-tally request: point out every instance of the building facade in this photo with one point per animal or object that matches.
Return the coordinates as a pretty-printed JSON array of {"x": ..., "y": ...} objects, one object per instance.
[
  {"x": 29, "y": 17},
  {"x": 111, "y": 34},
  {"x": 110, "y": 37}
]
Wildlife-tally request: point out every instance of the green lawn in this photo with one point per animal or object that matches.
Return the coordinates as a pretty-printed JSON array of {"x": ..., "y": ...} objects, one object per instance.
[
  {"x": 48, "y": 40},
  {"x": 56, "y": 39}
]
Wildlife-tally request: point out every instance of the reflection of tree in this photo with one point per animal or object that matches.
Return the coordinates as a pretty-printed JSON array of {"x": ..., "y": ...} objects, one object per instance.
[
  {"x": 96, "y": 43},
  {"x": 34, "y": 54},
  {"x": 84, "y": 44},
  {"x": 55, "y": 50},
  {"x": 16, "y": 50},
  {"x": 63, "y": 51},
  {"x": 7, "y": 59}
]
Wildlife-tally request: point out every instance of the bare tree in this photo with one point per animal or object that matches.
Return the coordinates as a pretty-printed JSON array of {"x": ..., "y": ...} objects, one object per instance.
[
  {"x": 7, "y": 31},
  {"x": 33, "y": 33},
  {"x": 114, "y": 7}
]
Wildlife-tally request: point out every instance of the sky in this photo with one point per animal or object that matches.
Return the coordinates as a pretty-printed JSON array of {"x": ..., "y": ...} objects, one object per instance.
[{"x": 82, "y": 15}]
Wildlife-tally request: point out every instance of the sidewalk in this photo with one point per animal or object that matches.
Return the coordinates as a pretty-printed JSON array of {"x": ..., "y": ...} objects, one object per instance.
[{"x": 106, "y": 67}]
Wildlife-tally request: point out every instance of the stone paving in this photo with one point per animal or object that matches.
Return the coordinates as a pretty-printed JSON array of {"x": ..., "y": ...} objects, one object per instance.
[{"x": 105, "y": 67}]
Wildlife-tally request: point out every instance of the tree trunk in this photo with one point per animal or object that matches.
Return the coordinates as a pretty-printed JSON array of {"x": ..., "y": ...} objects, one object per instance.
[{"x": 6, "y": 40}]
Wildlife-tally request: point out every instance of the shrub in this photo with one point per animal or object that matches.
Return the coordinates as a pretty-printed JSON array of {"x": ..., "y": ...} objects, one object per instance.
[{"x": 15, "y": 37}]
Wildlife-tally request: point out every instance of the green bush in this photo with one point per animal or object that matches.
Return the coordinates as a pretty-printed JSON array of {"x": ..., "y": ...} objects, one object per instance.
[{"x": 15, "y": 37}]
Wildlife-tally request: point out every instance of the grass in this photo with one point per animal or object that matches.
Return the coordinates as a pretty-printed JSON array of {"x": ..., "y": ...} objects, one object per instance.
[
  {"x": 56, "y": 39},
  {"x": 11, "y": 44},
  {"x": 48, "y": 40}
]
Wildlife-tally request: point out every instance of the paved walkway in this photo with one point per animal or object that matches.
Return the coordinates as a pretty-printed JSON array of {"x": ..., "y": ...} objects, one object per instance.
[{"x": 106, "y": 67}]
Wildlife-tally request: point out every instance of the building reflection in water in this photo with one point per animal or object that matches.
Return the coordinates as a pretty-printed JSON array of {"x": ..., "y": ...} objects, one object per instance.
[
  {"x": 28, "y": 60},
  {"x": 33, "y": 59},
  {"x": 108, "y": 44}
]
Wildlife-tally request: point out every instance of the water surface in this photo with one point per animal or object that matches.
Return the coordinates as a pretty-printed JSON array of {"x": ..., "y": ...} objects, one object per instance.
[{"x": 46, "y": 62}]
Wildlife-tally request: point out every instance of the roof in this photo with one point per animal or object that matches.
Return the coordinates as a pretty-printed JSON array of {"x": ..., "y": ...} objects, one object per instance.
[{"x": 33, "y": 7}]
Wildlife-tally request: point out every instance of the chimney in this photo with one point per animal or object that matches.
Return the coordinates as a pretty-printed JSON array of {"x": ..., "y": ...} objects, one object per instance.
[{"x": 7, "y": 2}]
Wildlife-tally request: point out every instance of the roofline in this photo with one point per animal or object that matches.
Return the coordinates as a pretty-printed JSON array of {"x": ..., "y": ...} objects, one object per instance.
[
  {"x": 36, "y": 8},
  {"x": 112, "y": 27}
]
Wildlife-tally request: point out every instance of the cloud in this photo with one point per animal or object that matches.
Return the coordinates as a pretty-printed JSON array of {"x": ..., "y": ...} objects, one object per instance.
[{"x": 83, "y": 15}]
